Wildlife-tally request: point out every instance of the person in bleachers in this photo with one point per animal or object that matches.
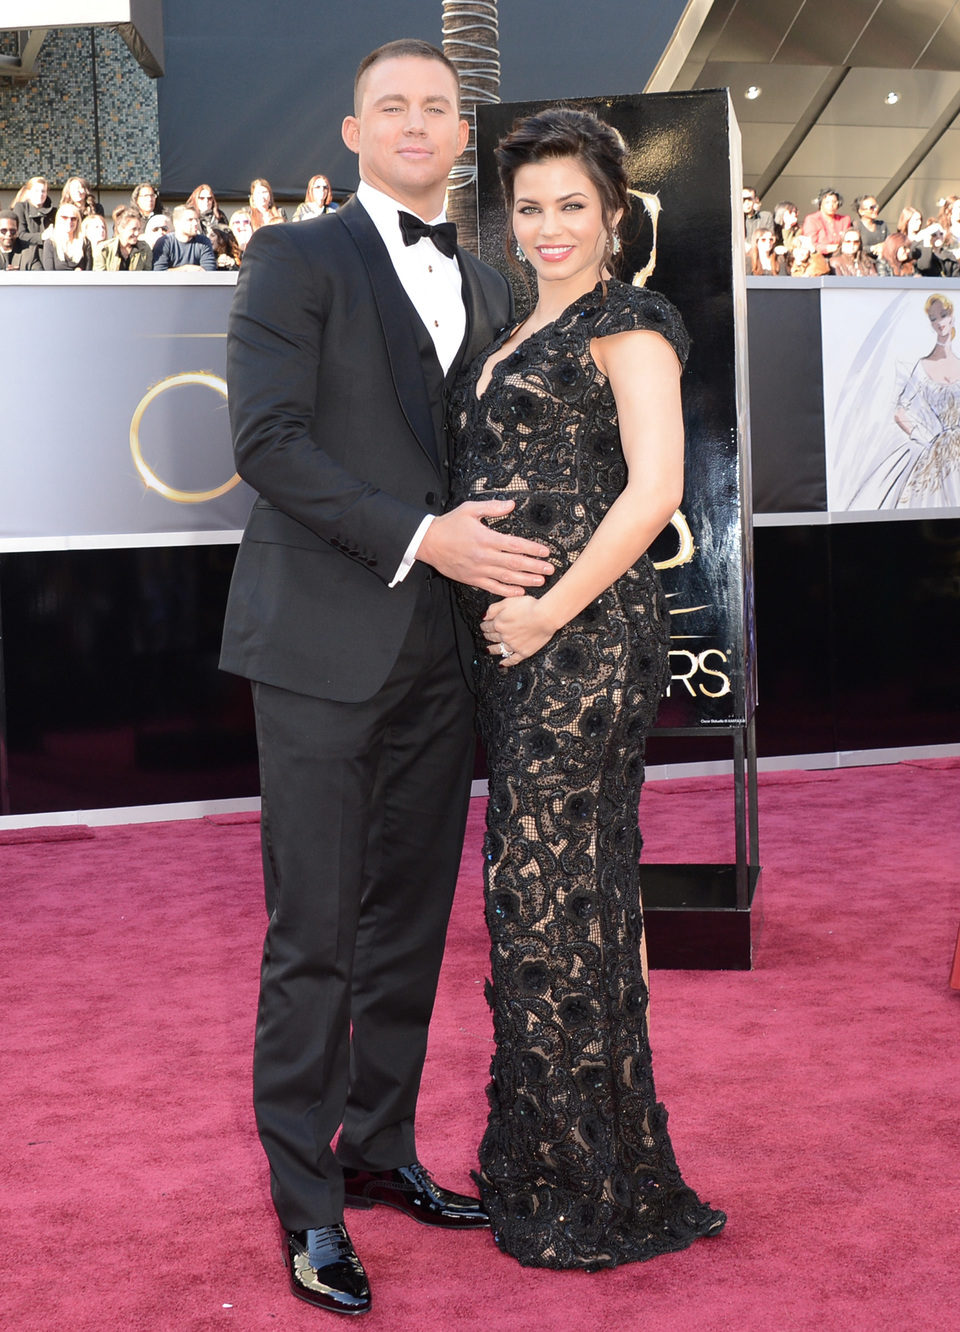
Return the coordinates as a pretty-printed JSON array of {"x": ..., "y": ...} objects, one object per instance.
[
  {"x": 184, "y": 247},
  {"x": 938, "y": 257},
  {"x": 77, "y": 191},
  {"x": 93, "y": 232},
  {"x": 753, "y": 215},
  {"x": 826, "y": 226},
  {"x": 317, "y": 199},
  {"x": 949, "y": 219},
  {"x": 899, "y": 252},
  {"x": 126, "y": 253},
  {"x": 63, "y": 249},
  {"x": 871, "y": 228},
  {"x": 156, "y": 226},
  {"x": 34, "y": 209},
  {"x": 762, "y": 259},
  {"x": 263, "y": 210},
  {"x": 212, "y": 217},
  {"x": 851, "y": 260},
  {"x": 241, "y": 228},
  {"x": 786, "y": 227},
  {"x": 913, "y": 248},
  {"x": 807, "y": 259},
  {"x": 145, "y": 198},
  {"x": 16, "y": 255},
  {"x": 226, "y": 249}
]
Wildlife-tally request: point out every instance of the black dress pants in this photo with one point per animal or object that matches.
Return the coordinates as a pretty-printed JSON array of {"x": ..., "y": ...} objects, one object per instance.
[{"x": 364, "y": 807}]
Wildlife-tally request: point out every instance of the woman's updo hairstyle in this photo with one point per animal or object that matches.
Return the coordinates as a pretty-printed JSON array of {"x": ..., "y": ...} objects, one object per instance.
[{"x": 561, "y": 131}]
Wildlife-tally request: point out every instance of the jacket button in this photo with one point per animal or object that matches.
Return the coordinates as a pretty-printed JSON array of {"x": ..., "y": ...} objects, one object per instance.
[{"x": 430, "y": 497}]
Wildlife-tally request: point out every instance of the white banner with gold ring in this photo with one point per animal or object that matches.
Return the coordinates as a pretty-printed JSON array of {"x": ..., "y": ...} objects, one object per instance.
[
  {"x": 200, "y": 377},
  {"x": 127, "y": 430}
]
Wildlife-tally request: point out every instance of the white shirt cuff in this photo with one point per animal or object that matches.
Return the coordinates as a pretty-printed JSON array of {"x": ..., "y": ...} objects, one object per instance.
[{"x": 410, "y": 554}]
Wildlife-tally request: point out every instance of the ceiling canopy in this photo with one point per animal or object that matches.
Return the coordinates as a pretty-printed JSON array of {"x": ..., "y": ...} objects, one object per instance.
[
  {"x": 139, "y": 23},
  {"x": 863, "y": 95}
]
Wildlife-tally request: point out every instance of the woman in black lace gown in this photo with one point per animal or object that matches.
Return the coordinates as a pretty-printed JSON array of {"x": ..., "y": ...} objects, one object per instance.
[{"x": 575, "y": 415}]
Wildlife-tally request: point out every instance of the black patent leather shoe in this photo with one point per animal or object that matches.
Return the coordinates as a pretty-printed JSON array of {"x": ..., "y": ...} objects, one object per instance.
[
  {"x": 410, "y": 1189},
  {"x": 325, "y": 1270}
]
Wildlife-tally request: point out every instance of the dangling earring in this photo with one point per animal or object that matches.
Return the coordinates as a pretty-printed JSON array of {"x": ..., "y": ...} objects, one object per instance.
[
  {"x": 520, "y": 254},
  {"x": 615, "y": 243}
]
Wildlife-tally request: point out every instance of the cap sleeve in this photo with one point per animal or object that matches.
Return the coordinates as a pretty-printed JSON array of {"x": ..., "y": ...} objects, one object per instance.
[{"x": 630, "y": 309}]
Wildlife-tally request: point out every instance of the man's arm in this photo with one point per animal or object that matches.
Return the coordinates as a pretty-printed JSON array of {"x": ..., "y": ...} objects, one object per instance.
[{"x": 208, "y": 256}]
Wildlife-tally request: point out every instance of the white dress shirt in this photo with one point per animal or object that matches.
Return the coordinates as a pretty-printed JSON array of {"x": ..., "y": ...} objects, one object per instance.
[{"x": 433, "y": 284}]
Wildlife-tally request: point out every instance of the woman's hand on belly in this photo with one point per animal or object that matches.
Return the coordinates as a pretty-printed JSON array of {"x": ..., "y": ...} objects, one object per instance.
[{"x": 521, "y": 625}]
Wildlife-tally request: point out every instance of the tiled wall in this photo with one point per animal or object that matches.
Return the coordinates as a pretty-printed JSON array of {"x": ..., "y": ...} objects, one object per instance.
[{"x": 48, "y": 122}]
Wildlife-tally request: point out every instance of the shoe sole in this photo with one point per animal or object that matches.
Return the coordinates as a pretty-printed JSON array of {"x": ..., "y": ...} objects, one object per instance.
[
  {"x": 329, "y": 1308},
  {"x": 365, "y": 1203}
]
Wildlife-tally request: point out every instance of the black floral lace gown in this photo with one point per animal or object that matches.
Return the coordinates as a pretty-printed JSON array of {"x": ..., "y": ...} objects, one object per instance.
[{"x": 576, "y": 1166}]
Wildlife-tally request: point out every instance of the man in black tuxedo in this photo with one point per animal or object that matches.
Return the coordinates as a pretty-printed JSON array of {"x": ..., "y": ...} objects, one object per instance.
[{"x": 344, "y": 336}]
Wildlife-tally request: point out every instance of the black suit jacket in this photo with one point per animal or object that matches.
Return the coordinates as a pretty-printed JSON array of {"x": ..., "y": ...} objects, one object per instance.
[{"x": 337, "y": 427}]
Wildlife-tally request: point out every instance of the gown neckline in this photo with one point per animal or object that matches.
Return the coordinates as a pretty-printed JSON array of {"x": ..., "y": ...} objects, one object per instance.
[{"x": 506, "y": 331}]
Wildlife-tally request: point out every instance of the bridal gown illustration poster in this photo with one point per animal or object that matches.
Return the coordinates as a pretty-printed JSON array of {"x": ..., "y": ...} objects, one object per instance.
[{"x": 891, "y": 390}]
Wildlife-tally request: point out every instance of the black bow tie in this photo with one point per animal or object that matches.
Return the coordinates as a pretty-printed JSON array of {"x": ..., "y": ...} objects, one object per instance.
[{"x": 443, "y": 235}]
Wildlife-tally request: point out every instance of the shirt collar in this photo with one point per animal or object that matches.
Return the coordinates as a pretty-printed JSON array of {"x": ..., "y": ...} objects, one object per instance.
[{"x": 385, "y": 211}]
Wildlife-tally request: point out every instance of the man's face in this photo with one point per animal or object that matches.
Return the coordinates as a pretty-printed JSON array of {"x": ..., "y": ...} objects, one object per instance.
[
  {"x": 9, "y": 229},
  {"x": 129, "y": 231},
  {"x": 408, "y": 132},
  {"x": 750, "y": 201},
  {"x": 187, "y": 225}
]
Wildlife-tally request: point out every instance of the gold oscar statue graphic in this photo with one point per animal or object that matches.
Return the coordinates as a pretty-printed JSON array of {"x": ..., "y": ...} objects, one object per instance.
[
  {"x": 685, "y": 549},
  {"x": 203, "y": 379}
]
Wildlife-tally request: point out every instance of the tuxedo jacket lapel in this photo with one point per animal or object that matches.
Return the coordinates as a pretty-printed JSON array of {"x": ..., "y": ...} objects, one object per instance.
[
  {"x": 481, "y": 326},
  {"x": 399, "y": 329}
]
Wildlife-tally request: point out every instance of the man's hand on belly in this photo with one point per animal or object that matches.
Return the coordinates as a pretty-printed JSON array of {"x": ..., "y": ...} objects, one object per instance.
[{"x": 460, "y": 545}]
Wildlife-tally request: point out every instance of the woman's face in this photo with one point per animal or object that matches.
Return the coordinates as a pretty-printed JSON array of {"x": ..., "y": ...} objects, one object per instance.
[
  {"x": 242, "y": 229},
  {"x": 829, "y": 204},
  {"x": 941, "y": 321},
  {"x": 129, "y": 230},
  {"x": 75, "y": 192},
  {"x": 37, "y": 192},
  {"x": 558, "y": 221},
  {"x": 790, "y": 217},
  {"x": 70, "y": 217},
  {"x": 851, "y": 243},
  {"x": 155, "y": 228},
  {"x": 146, "y": 198},
  {"x": 319, "y": 191},
  {"x": 913, "y": 224},
  {"x": 766, "y": 240},
  {"x": 261, "y": 197},
  {"x": 205, "y": 200},
  {"x": 96, "y": 230},
  {"x": 803, "y": 249}
]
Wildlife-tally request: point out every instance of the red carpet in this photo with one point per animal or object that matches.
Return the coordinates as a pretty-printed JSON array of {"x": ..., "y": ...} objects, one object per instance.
[{"x": 815, "y": 1098}]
